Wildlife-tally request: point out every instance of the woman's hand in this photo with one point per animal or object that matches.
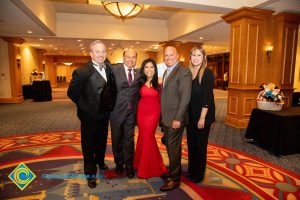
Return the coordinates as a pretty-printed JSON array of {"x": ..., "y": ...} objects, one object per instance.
[{"x": 201, "y": 123}]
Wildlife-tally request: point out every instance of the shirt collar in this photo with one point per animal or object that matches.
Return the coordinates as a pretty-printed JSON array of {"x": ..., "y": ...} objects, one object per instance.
[
  {"x": 126, "y": 68},
  {"x": 172, "y": 67}
]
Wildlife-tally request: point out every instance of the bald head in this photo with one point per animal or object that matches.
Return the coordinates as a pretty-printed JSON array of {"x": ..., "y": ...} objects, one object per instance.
[
  {"x": 171, "y": 56},
  {"x": 129, "y": 58}
]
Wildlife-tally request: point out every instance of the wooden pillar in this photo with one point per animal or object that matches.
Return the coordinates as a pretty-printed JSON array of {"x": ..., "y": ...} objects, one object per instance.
[
  {"x": 51, "y": 69},
  {"x": 15, "y": 70},
  {"x": 284, "y": 51},
  {"x": 41, "y": 60},
  {"x": 251, "y": 31},
  {"x": 248, "y": 27}
]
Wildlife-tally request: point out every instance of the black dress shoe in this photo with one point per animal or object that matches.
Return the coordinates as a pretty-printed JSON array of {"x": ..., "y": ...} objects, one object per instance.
[
  {"x": 165, "y": 176},
  {"x": 196, "y": 179},
  {"x": 119, "y": 169},
  {"x": 91, "y": 182},
  {"x": 103, "y": 167},
  {"x": 130, "y": 173},
  {"x": 170, "y": 185}
]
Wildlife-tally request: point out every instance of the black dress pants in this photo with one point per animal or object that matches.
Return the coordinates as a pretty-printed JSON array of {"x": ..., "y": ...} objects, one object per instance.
[
  {"x": 93, "y": 143},
  {"x": 173, "y": 138},
  {"x": 123, "y": 141},
  {"x": 197, "y": 140}
]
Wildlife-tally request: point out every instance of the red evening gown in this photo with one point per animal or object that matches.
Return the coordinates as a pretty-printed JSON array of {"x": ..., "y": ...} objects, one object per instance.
[{"x": 147, "y": 158}]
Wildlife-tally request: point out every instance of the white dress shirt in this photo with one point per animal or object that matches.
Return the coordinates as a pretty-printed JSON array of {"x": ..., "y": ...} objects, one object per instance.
[{"x": 101, "y": 72}]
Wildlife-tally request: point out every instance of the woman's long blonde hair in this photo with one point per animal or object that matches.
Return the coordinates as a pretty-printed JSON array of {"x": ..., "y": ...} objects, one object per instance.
[{"x": 204, "y": 62}]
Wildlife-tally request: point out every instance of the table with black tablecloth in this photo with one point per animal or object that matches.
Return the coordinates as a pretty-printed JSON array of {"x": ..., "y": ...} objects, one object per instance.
[
  {"x": 278, "y": 131},
  {"x": 41, "y": 91}
]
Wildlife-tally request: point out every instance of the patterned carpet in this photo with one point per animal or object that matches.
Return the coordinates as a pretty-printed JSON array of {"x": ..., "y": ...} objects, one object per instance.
[{"x": 55, "y": 158}]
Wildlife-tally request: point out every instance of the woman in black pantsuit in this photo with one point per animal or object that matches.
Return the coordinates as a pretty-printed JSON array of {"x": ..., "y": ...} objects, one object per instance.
[{"x": 201, "y": 114}]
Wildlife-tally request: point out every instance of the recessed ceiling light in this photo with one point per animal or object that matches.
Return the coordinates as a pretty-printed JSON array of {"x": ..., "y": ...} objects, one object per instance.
[
  {"x": 41, "y": 39},
  {"x": 201, "y": 38},
  {"x": 131, "y": 46},
  {"x": 78, "y": 40},
  {"x": 50, "y": 45},
  {"x": 112, "y": 44},
  {"x": 109, "y": 48},
  {"x": 137, "y": 42},
  {"x": 29, "y": 32},
  {"x": 226, "y": 50},
  {"x": 55, "y": 49},
  {"x": 82, "y": 48},
  {"x": 61, "y": 52},
  {"x": 81, "y": 45}
]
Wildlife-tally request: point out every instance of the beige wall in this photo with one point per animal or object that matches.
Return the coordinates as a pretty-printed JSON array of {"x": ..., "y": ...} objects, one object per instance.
[
  {"x": 29, "y": 62},
  {"x": 5, "y": 88},
  {"x": 62, "y": 70},
  {"x": 297, "y": 68}
]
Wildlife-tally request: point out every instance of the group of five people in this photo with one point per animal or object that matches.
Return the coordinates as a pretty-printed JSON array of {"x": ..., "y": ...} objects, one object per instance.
[{"x": 127, "y": 96}]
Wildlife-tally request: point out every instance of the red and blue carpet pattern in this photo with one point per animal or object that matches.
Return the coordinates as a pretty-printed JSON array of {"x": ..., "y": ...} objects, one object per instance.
[{"x": 229, "y": 175}]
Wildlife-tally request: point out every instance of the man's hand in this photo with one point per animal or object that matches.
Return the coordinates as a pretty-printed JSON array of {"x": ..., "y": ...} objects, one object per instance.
[{"x": 176, "y": 124}]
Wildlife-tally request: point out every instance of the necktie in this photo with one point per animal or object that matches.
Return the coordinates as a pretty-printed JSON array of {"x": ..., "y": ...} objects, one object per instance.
[
  {"x": 129, "y": 77},
  {"x": 166, "y": 76}
]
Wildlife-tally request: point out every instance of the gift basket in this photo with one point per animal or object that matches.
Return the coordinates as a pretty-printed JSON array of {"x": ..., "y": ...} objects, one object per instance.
[{"x": 270, "y": 98}]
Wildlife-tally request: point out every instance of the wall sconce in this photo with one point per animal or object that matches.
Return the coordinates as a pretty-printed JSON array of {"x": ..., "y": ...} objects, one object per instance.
[
  {"x": 269, "y": 50},
  {"x": 181, "y": 59},
  {"x": 18, "y": 58}
]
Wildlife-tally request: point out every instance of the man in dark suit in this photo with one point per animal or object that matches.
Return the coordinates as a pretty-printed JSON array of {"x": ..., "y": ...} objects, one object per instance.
[
  {"x": 176, "y": 93},
  {"x": 93, "y": 90},
  {"x": 123, "y": 117}
]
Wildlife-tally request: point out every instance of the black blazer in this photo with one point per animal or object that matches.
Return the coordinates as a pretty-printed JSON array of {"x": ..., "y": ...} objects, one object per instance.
[
  {"x": 126, "y": 93},
  {"x": 202, "y": 96},
  {"x": 94, "y": 97}
]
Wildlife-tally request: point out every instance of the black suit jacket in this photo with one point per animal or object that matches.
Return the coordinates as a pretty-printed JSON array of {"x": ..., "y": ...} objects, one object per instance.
[
  {"x": 202, "y": 97},
  {"x": 126, "y": 93},
  {"x": 94, "y": 97}
]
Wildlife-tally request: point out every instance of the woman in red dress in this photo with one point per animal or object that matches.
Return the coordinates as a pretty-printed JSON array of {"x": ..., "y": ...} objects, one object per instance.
[{"x": 147, "y": 158}]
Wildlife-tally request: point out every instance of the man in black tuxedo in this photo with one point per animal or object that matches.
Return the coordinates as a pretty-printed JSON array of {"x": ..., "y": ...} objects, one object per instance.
[
  {"x": 93, "y": 90},
  {"x": 123, "y": 117}
]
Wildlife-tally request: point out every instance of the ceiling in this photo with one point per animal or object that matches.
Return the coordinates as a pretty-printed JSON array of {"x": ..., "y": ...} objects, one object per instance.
[{"x": 14, "y": 21}]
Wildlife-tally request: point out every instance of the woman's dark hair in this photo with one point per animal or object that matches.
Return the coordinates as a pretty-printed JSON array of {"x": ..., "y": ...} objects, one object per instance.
[{"x": 154, "y": 80}]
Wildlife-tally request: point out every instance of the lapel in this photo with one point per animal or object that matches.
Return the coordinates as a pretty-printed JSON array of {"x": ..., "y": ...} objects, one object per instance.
[
  {"x": 170, "y": 75},
  {"x": 135, "y": 75}
]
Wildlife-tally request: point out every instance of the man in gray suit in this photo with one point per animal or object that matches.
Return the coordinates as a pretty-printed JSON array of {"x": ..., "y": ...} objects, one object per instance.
[
  {"x": 123, "y": 117},
  {"x": 176, "y": 93}
]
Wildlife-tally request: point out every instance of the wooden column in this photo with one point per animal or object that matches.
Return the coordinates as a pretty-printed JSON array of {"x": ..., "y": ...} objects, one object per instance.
[
  {"x": 51, "y": 69},
  {"x": 284, "y": 51},
  {"x": 248, "y": 27},
  {"x": 41, "y": 60},
  {"x": 14, "y": 70},
  {"x": 252, "y": 30}
]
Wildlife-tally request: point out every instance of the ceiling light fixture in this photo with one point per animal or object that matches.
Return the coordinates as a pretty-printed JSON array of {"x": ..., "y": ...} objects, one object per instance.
[
  {"x": 67, "y": 63},
  {"x": 123, "y": 10}
]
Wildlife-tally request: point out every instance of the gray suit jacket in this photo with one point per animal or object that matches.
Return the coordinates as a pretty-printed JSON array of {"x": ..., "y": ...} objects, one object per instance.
[
  {"x": 125, "y": 93},
  {"x": 176, "y": 94}
]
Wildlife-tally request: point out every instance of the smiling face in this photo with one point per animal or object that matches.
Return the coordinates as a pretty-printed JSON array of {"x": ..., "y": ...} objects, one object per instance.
[
  {"x": 149, "y": 70},
  {"x": 171, "y": 56},
  {"x": 197, "y": 57},
  {"x": 129, "y": 58},
  {"x": 98, "y": 53}
]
